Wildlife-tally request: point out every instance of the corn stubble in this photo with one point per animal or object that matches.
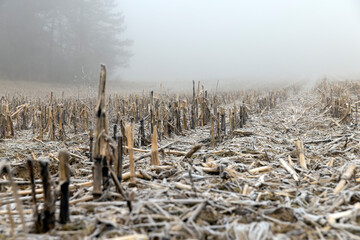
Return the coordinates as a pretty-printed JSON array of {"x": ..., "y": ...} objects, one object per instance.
[{"x": 246, "y": 164}]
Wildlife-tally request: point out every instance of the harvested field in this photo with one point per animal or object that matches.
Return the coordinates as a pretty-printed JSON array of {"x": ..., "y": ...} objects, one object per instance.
[{"x": 252, "y": 164}]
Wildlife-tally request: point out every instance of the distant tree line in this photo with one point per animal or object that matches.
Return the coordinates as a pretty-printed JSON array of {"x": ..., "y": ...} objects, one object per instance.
[{"x": 60, "y": 40}]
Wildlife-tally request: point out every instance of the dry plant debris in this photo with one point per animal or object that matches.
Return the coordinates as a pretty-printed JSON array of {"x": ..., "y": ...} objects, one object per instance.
[{"x": 254, "y": 164}]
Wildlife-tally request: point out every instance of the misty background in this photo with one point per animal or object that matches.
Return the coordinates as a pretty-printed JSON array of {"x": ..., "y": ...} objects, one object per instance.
[
  {"x": 60, "y": 40},
  {"x": 179, "y": 40}
]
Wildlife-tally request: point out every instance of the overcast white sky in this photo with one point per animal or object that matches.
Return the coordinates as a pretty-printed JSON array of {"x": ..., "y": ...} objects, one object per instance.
[{"x": 186, "y": 40}]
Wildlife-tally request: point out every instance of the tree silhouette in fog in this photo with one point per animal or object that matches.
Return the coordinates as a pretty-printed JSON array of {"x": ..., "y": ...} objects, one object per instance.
[{"x": 60, "y": 40}]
